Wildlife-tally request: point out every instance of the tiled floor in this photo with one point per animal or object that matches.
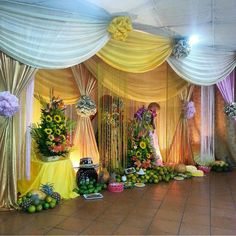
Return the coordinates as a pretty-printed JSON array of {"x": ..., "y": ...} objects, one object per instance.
[{"x": 199, "y": 206}]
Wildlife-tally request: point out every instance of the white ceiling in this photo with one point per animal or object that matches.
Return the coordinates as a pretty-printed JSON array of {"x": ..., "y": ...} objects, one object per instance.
[{"x": 214, "y": 21}]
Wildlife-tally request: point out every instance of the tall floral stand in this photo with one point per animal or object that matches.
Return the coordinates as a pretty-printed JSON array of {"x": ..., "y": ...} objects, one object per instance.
[{"x": 60, "y": 173}]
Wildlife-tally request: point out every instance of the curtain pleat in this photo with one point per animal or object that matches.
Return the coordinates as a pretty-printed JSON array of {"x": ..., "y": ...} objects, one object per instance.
[{"x": 14, "y": 78}]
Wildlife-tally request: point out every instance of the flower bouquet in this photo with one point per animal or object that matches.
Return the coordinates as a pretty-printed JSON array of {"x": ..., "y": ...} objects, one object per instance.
[
  {"x": 52, "y": 133},
  {"x": 140, "y": 149}
]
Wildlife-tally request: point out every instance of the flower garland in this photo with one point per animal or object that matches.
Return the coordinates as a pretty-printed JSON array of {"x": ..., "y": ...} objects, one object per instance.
[
  {"x": 113, "y": 114},
  {"x": 181, "y": 49},
  {"x": 9, "y": 104},
  {"x": 86, "y": 106},
  {"x": 119, "y": 27},
  {"x": 230, "y": 109}
]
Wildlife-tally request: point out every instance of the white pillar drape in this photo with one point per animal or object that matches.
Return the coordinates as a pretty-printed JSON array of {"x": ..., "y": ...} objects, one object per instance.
[{"x": 207, "y": 124}]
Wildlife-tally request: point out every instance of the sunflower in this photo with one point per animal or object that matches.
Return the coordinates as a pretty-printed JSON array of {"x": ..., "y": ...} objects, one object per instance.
[
  {"x": 148, "y": 156},
  {"x": 142, "y": 145},
  {"x": 51, "y": 137},
  {"x": 58, "y": 131},
  {"x": 48, "y": 131},
  {"x": 57, "y": 118},
  {"x": 138, "y": 154},
  {"x": 48, "y": 118}
]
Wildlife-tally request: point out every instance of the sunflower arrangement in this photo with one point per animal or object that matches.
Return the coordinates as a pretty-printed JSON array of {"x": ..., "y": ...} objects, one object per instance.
[
  {"x": 140, "y": 149},
  {"x": 52, "y": 133}
]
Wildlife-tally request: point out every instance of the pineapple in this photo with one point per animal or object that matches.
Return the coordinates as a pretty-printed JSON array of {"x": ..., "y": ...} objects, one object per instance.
[
  {"x": 47, "y": 188},
  {"x": 26, "y": 203},
  {"x": 56, "y": 196}
]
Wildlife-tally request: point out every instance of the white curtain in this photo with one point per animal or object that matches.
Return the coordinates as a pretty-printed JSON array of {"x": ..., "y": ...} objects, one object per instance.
[
  {"x": 52, "y": 34},
  {"x": 25, "y": 117},
  {"x": 204, "y": 66},
  {"x": 84, "y": 139},
  {"x": 207, "y": 124}
]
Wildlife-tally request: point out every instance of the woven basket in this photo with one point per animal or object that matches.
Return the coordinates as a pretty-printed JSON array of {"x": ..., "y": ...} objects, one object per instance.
[{"x": 116, "y": 187}]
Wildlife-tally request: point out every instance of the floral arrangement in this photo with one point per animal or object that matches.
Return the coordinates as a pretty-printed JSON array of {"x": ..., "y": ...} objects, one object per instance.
[
  {"x": 220, "y": 166},
  {"x": 9, "y": 104},
  {"x": 119, "y": 27},
  {"x": 86, "y": 106},
  {"x": 52, "y": 134},
  {"x": 188, "y": 109},
  {"x": 230, "y": 109},
  {"x": 140, "y": 149},
  {"x": 112, "y": 114},
  {"x": 181, "y": 48}
]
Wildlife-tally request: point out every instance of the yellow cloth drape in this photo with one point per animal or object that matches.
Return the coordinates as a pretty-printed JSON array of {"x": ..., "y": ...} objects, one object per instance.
[
  {"x": 60, "y": 173},
  {"x": 14, "y": 77},
  {"x": 144, "y": 87},
  {"x": 181, "y": 149},
  {"x": 140, "y": 52},
  {"x": 84, "y": 141},
  {"x": 61, "y": 81}
]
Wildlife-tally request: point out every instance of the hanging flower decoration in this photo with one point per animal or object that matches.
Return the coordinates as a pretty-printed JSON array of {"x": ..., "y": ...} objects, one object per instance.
[
  {"x": 188, "y": 109},
  {"x": 86, "y": 106},
  {"x": 112, "y": 116},
  {"x": 119, "y": 27},
  {"x": 9, "y": 104},
  {"x": 230, "y": 109},
  {"x": 181, "y": 49}
]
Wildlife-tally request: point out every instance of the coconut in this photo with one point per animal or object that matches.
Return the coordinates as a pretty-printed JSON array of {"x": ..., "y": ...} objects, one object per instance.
[{"x": 180, "y": 168}]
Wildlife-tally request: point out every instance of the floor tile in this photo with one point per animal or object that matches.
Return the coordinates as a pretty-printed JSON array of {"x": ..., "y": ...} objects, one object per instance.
[
  {"x": 222, "y": 231},
  {"x": 158, "y": 226},
  {"x": 193, "y": 229},
  {"x": 74, "y": 224},
  {"x": 196, "y": 219},
  {"x": 127, "y": 230}
]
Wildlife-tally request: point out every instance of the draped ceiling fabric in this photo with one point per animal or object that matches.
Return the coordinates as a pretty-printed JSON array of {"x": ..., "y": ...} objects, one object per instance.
[
  {"x": 144, "y": 87},
  {"x": 204, "y": 66},
  {"x": 14, "y": 77},
  {"x": 84, "y": 140},
  {"x": 141, "y": 52},
  {"x": 51, "y": 34}
]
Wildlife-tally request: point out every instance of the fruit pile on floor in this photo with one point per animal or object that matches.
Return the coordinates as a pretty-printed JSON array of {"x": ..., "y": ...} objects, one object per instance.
[
  {"x": 87, "y": 186},
  {"x": 155, "y": 175},
  {"x": 38, "y": 200}
]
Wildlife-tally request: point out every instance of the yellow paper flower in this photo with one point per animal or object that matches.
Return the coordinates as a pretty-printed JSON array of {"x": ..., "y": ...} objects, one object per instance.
[
  {"x": 58, "y": 131},
  {"x": 119, "y": 27},
  {"x": 48, "y": 131},
  {"x": 63, "y": 137},
  {"x": 148, "y": 156},
  {"x": 57, "y": 118},
  {"x": 142, "y": 145},
  {"x": 138, "y": 154},
  {"x": 48, "y": 118}
]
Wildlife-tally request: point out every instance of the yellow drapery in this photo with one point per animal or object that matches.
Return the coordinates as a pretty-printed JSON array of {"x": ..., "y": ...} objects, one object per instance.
[
  {"x": 181, "y": 149},
  {"x": 60, "y": 173},
  {"x": 140, "y": 52},
  {"x": 144, "y": 87},
  {"x": 14, "y": 77},
  {"x": 61, "y": 81}
]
